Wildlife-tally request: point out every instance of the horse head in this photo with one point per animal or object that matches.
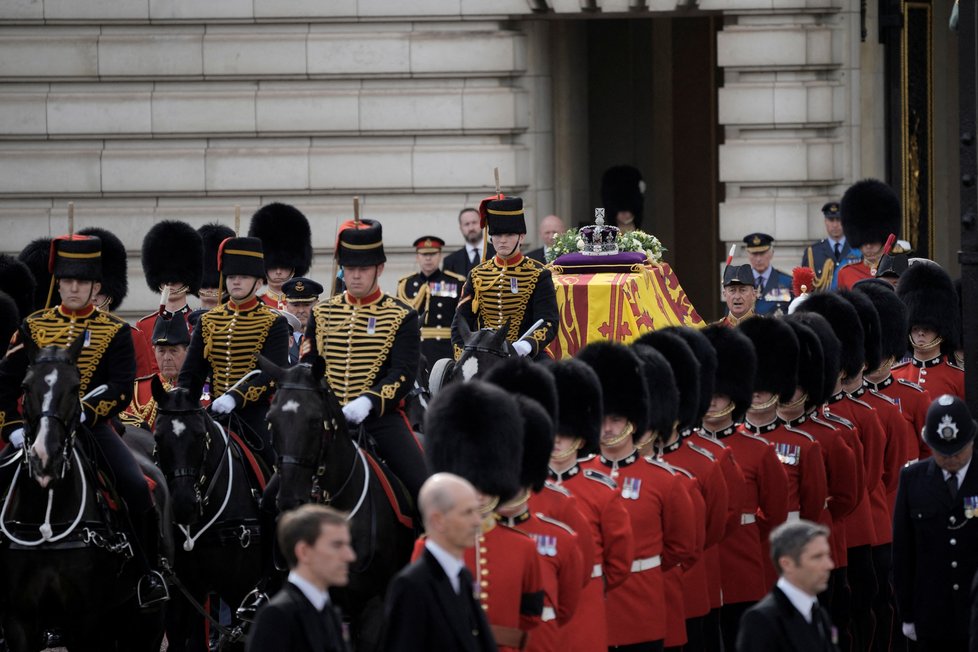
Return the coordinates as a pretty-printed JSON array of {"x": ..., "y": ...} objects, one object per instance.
[
  {"x": 52, "y": 410},
  {"x": 306, "y": 421},
  {"x": 483, "y": 350},
  {"x": 183, "y": 442}
]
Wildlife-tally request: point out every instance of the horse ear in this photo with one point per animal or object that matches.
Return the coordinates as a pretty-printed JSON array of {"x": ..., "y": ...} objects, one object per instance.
[
  {"x": 463, "y": 329},
  {"x": 499, "y": 338},
  {"x": 74, "y": 349},
  {"x": 318, "y": 367},
  {"x": 273, "y": 370},
  {"x": 159, "y": 392}
]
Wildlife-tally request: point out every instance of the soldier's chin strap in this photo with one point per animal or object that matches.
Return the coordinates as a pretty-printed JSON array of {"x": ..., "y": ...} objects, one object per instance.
[{"x": 929, "y": 345}]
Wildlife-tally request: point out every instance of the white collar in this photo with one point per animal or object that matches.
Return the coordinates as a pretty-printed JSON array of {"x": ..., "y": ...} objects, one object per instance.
[
  {"x": 317, "y": 597},
  {"x": 963, "y": 471},
  {"x": 802, "y": 601},
  {"x": 449, "y": 563}
]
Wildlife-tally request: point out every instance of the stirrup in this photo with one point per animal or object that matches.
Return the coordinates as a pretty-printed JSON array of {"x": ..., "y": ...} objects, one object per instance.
[
  {"x": 151, "y": 590},
  {"x": 250, "y": 605}
]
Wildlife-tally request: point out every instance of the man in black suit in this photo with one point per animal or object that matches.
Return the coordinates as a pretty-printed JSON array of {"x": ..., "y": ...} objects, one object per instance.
[
  {"x": 430, "y": 604},
  {"x": 935, "y": 533},
  {"x": 550, "y": 227},
  {"x": 789, "y": 617},
  {"x": 315, "y": 541},
  {"x": 461, "y": 261}
]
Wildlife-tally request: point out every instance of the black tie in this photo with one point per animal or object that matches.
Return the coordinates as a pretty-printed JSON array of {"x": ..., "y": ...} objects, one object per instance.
[
  {"x": 759, "y": 283},
  {"x": 838, "y": 251},
  {"x": 465, "y": 581},
  {"x": 952, "y": 485},
  {"x": 473, "y": 257},
  {"x": 334, "y": 627}
]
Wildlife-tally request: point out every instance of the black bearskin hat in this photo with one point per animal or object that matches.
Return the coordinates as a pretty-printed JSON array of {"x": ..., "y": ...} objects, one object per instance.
[
  {"x": 17, "y": 282},
  {"x": 663, "y": 396},
  {"x": 285, "y": 237},
  {"x": 736, "y": 366},
  {"x": 811, "y": 361},
  {"x": 623, "y": 389},
  {"x": 9, "y": 321},
  {"x": 212, "y": 235},
  {"x": 173, "y": 252},
  {"x": 115, "y": 265},
  {"x": 580, "y": 412},
  {"x": 521, "y": 376},
  {"x": 845, "y": 323},
  {"x": 538, "y": 443},
  {"x": 707, "y": 358},
  {"x": 831, "y": 350},
  {"x": 892, "y": 315},
  {"x": 776, "y": 346},
  {"x": 475, "y": 430},
  {"x": 622, "y": 189},
  {"x": 870, "y": 213},
  {"x": 928, "y": 292},
  {"x": 36, "y": 255},
  {"x": 685, "y": 371},
  {"x": 870, "y": 319}
]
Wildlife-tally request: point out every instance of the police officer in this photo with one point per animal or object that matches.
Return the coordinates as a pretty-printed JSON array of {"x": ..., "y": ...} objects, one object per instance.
[
  {"x": 370, "y": 342},
  {"x": 739, "y": 294},
  {"x": 170, "y": 341},
  {"x": 301, "y": 296},
  {"x": 773, "y": 286},
  {"x": 287, "y": 245},
  {"x": 508, "y": 287},
  {"x": 935, "y": 534},
  {"x": 107, "y": 359},
  {"x": 434, "y": 294}
]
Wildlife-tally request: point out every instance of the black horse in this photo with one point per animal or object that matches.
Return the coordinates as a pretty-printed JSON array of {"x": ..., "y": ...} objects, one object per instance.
[
  {"x": 64, "y": 553},
  {"x": 319, "y": 461},
  {"x": 483, "y": 349},
  {"x": 215, "y": 513}
]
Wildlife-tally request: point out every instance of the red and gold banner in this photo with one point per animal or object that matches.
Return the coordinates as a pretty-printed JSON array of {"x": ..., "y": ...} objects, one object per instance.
[{"x": 618, "y": 306}]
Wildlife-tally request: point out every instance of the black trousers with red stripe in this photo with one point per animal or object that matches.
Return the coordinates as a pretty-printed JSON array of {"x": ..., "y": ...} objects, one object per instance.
[{"x": 396, "y": 444}]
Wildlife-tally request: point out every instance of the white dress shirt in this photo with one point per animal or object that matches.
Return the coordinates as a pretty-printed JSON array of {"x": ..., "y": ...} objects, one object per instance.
[
  {"x": 961, "y": 473},
  {"x": 802, "y": 601},
  {"x": 449, "y": 563},
  {"x": 313, "y": 593}
]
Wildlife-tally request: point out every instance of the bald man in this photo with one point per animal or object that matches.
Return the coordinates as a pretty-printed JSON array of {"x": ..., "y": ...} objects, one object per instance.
[{"x": 550, "y": 227}]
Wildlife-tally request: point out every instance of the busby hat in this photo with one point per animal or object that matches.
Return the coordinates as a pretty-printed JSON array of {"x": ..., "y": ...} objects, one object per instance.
[
  {"x": 776, "y": 346},
  {"x": 505, "y": 216},
  {"x": 538, "y": 443},
  {"x": 17, "y": 282},
  {"x": 171, "y": 331},
  {"x": 707, "y": 358},
  {"x": 892, "y": 317},
  {"x": 9, "y": 321},
  {"x": 623, "y": 388},
  {"x": 949, "y": 426},
  {"x": 242, "y": 256},
  {"x": 212, "y": 235},
  {"x": 300, "y": 289},
  {"x": 521, "y": 376},
  {"x": 738, "y": 275},
  {"x": 831, "y": 351},
  {"x": 77, "y": 256},
  {"x": 36, "y": 255},
  {"x": 928, "y": 292},
  {"x": 870, "y": 213},
  {"x": 361, "y": 245},
  {"x": 428, "y": 244},
  {"x": 685, "y": 369},
  {"x": 845, "y": 323},
  {"x": 811, "y": 361},
  {"x": 622, "y": 189},
  {"x": 663, "y": 396},
  {"x": 173, "y": 252},
  {"x": 758, "y": 243},
  {"x": 475, "y": 430},
  {"x": 736, "y": 366},
  {"x": 580, "y": 409},
  {"x": 870, "y": 320},
  {"x": 115, "y": 265},
  {"x": 285, "y": 237}
]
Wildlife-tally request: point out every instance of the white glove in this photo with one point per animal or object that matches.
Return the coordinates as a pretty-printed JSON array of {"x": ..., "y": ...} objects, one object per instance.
[
  {"x": 357, "y": 410},
  {"x": 910, "y": 631},
  {"x": 82, "y": 418},
  {"x": 223, "y": 404},
  {"x": 523, "y": 347},
  {"x": 17, "y": 438}
]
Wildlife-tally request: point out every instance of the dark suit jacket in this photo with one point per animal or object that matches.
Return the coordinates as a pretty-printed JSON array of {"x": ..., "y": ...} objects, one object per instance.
[
  {"x": 537, "y": 254},
  {"x": 774, "y": 625},
  {"x": 458, "y": 261},
  {"x": 290, "y": 622},
  {"x": 777, "y": 294},
  {"x": 822, "y": 251},
  {"x": 423, "y": 612}
]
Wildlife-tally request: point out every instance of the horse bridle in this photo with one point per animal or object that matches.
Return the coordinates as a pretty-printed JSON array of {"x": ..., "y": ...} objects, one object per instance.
[
  {"x": 197, "y": 473},
  {"x": 482, "y": 349},
  {"x": 70, "y": 426}
]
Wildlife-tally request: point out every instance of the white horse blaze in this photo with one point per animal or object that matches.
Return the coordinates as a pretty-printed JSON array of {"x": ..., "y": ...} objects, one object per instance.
[
  {"x": 178, "y": 427},
  {"x": 40, "y": 448},
  {"x": 291, "y": 406},
  {"x": 469, "y": 369}
]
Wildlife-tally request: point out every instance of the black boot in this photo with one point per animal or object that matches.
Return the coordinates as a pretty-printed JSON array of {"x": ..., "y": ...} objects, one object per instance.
[
  {"x": 151, "y": 589},
  {"x": 247, "y": 611}
]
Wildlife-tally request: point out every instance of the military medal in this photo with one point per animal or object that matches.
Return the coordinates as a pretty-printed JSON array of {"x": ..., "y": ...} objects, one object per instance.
[
  {"x": 631, "y": 488},
  {"x": 514, "y": 285},
  {"x": 371, "y": 325},
  {"x": 550, "y": 546},
  {"x": 88, "y": 337},
  {"x": 970, "y": 506}
]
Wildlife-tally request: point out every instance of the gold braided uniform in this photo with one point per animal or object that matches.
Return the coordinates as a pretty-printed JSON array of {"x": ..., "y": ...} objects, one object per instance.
[
  {"x": 141, "y": 412},
  {"x": 435, "y": 298}
]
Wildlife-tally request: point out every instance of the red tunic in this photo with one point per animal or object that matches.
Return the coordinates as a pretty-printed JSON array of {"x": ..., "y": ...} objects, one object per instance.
[
  {"x": 897, "y": 430},
  {"x": 273, "y": 300},
  {"x": 852, "y": 274},
  {"x": 937, "y": 376},
  {"x": 687, "y": 585},
  {"x": 914, "y": 401},
  {"x": 558, "y": 503},
  {"x": 145, "y": 358},
  {"x": 142, "y": 409},
  {"x": 662, "y": 523}
]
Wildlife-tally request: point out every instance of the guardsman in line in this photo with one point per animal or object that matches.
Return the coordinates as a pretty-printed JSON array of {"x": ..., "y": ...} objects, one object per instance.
[
  {"x": 773, "y": 286},
  {"x": 287, "y": 243},
  {"x": 935, "y": 533},
  {"x": 870, "y": 213},
  {"x": 434, "y": 294},
  {"x": 476, "y": 430},
  {"x": 509, "y": 287},
  {"x": 739, "y": 294},
  {"x": 301, "y": 296},
  {"x": 912, "y": 399},
  {"x": 935, "y": 330},
  {"x": 765, "y": 492},
  {"x": 657, "y": 501},
  {"x": 578, "y": 431},
  {"x": 106, "y": 358},
  {"x": 227, "y": 341},
  {"x": 211, "y": 294},
  {"x": 170, "y": 341},
  {"x": 370, "y": 342},
  {"x": 172, "y": 259}
]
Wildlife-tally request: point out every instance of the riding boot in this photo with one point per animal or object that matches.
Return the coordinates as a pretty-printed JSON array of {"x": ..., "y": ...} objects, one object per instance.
[{"x": 151, "y": 589}]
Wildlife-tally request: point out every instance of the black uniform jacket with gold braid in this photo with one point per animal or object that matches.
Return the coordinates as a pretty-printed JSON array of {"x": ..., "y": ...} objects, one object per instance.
[
  {"x": 435, "y": 298},
  {"x": 371, "y": 347},
  {"x": 520, "y": 289},
  {"x": 107, "y": 359},
  {"x": 225, "y": 347}
]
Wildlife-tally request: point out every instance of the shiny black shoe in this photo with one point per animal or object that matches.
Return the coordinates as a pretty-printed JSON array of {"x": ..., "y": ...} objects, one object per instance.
[
  {"x": 250, "y": 605},
  {"x": 151, "y": 590}
]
